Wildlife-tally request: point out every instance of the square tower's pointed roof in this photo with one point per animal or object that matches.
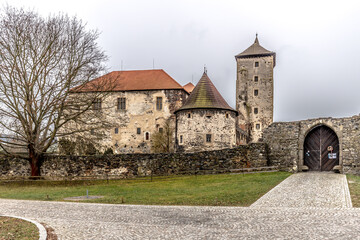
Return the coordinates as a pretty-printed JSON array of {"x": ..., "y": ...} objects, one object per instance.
[
  {"x": 255, "y": 50},
  {"x": 205, "y": 95}
]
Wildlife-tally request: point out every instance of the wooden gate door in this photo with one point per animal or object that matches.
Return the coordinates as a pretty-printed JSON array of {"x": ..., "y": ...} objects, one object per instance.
[{"x": 321, "y": 149}]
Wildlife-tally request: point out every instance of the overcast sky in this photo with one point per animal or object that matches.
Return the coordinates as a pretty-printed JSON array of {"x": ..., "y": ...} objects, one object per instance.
[{"x": 317, "y": 44}]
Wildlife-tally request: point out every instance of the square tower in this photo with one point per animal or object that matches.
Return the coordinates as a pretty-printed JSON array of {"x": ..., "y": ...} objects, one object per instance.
[{"x": 255, "y": 89}]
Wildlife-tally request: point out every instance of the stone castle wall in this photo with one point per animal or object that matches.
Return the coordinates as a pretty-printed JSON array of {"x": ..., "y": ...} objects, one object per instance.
[
  {"x": 132, "y": 165},
  {"x": 193, "y": 126},
  {"x": 286, "y": 142}
]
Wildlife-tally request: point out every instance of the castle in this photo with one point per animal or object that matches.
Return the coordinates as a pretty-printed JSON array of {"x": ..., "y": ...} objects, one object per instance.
[
  {"x": 148, "y": 102},
  {"x": 142, "y": 102}
]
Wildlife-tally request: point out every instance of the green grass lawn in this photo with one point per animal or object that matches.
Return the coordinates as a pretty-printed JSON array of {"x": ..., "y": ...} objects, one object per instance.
[
  {"x": 213, "y": 190},
  {"x": 354, "y": 187},
  {"x": 13, "y": 228}
]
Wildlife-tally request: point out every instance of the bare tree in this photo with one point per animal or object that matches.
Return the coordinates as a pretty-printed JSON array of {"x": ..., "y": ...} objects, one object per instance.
[
  {"x": 163, "y": 140},
  {"x": 42, "y": 60}
]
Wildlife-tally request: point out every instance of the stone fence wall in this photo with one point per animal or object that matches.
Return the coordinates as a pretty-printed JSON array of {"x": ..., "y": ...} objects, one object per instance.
[{"x": 132, "y": 165}]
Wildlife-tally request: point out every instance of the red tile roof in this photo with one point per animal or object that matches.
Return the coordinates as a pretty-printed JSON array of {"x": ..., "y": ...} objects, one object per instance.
[
  {"x": 189, "y": 87},
  {"x": 130, "y": 81}
]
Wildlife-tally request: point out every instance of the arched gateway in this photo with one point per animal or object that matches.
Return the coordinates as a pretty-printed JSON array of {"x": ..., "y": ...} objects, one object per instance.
[{"x": 321, "y": 149}]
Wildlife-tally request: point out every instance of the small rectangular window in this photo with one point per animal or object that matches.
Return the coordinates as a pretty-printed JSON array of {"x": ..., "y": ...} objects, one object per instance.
[
  {"x": 116, "y": 130},
  {"x": 256, "y": 64},
  {"x": 181, "y": 138},
  {"x": 208, "y": 137},
  {"x": 189, "y": 115},
  {"x": 256, "y": 78},
  {"x": 92, "y": 131},
  {"x": 158, "y": 103},
  {"x": 121, "y": 103},
  {"x": 161, "y": 130},
  {"x": 256, "y": 92},
  {"x": 256, "y": 110},
  {"x": 227, "y": 115},
  {"x": 138, "y": 130},
  {"x": 258, "y": 126},
  {"x": 96, "y": 104},
  {"x": 147, "y": 136}
]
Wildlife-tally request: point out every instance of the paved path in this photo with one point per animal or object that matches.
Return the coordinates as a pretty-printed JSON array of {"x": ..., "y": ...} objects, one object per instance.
[
  {"x": 105, "y": 221},
  {"x": 310, "y": 189}
]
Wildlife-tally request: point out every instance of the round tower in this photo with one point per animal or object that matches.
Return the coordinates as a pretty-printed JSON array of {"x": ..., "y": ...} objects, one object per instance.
[
  {"x": 205, "y": 121},
  {"x": 255, "y": 89}
]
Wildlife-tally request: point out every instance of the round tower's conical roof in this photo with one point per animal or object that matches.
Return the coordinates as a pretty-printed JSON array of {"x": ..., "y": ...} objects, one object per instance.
[{"x": 205, "y": 96}]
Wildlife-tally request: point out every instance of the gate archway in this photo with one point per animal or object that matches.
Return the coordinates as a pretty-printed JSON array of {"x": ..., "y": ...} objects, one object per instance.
[{"x": 321, "y": 149}]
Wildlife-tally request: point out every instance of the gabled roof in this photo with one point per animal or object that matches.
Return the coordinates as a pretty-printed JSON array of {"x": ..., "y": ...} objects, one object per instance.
[
  {"x": 131, "y": 81},
  {"x": 255, "y": 50},
  {"x": 205, "y": 96},
  {"x": 189, "y": 87}
]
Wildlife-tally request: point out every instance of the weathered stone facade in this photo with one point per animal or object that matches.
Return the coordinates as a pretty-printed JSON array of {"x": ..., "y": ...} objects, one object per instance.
[
  {"x": 195, "y": 125},
  {"x": 254, "y": 90},
  {"x": 140, "y": 119},
  {"x": 132, "y": 165},
  {"x": 286, "y": 142}
]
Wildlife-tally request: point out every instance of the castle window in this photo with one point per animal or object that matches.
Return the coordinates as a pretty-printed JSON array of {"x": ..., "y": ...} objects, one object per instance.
[
  {"x": 138, "y": 130},
  {"x": 92, "y": 132},
  {"x": 147, "y": 136},
  {"x": 258, "y": 126},
  {"x": 256, "y": 64},
  {"x": 208, "y": 116},
  {"x": 96, "y": 104},
  {"x": 161, "y": 130},
  {"x": 208, "y": 137},
  {"x": 116, "y": 130},
  {"x": 189, "y": 115},
  {"x": 181, "y": 138},
  {"x": 256, "y": 110},
  {"x": 256, "y": 78},
  {"x": 256, "y": 92},
  {"x": 227, "y": 115},
  {"x": 121, "y": 103},
  {"x": 158, "y": 103}
]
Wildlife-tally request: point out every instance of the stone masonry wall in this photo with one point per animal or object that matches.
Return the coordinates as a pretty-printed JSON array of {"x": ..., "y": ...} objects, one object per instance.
[
  {"x": 193, "y": 126},
  {"x": 286, "y": 142},
  {"x": 132, "y": 165}
]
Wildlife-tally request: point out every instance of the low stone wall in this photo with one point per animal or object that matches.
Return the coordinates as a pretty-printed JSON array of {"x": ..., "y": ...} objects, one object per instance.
[
  {"x": 132, "y": 165},
  {"x": 286, "y": 142}
]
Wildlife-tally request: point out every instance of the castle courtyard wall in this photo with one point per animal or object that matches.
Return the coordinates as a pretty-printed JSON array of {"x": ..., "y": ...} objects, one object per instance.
[{"x": 133, "y": 165}]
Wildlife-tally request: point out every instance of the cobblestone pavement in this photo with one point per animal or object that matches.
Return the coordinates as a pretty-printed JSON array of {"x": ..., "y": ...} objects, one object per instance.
[
  {"x": 310, "y": 189},
  {"x": 105, "y": 221}
]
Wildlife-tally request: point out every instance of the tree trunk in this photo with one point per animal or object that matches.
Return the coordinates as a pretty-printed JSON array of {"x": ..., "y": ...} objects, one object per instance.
[{"x": 35, "y": 162}]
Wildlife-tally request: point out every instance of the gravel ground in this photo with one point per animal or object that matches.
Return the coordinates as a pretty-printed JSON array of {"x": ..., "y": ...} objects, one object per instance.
[{"x": 302, "y": 217}]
